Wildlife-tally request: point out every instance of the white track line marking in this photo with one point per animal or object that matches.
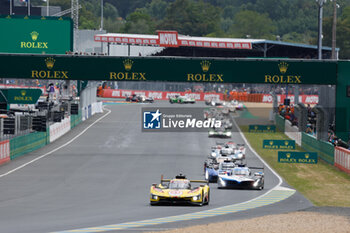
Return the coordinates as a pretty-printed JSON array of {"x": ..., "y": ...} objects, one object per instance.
[{"x": 56, "y": 149}]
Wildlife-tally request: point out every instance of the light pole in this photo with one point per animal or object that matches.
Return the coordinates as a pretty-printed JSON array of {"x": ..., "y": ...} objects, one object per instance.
[
  {"x": 101, "y": 15},
  {"x": 320, "y": 15},
  {"x": 47, "y": 8},
  {"x": 10, "y": 7},
  {"x": 101, "y": 28},
  {"x": 334, "y": 29}
]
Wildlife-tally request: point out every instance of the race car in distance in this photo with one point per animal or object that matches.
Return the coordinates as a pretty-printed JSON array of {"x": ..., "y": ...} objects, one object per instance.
[
  {"x": 181, "y": 100},
  {"x": 240, "y": 177},
  {"x": 180, "y": 191},
  {"x": 220, "y": 132},
  {"x": 139, "y": 98}
]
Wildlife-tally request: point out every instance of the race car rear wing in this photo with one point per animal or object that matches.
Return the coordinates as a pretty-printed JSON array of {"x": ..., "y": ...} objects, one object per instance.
[
  {"x": 200, "y": 181},
  {"x": 192, "y": 181},
  {"x": 257, "y": 168}
]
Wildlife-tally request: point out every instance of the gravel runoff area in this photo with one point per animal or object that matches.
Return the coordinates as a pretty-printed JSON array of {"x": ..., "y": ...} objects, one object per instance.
[
  {"x": 314, "y": 219},
  {"x": 325, "y": 219}
]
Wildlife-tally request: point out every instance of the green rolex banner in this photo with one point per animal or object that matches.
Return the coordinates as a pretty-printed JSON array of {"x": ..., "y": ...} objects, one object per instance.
[
  {"x": 279, "y": 144},
  {"x": 20, "y": 96},
  {"x": 297, "y": 157},
  {"x": 262, "y": 128}
]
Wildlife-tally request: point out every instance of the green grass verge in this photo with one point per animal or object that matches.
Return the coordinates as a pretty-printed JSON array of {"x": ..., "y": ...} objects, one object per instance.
[{"x": 322, "y": 184}]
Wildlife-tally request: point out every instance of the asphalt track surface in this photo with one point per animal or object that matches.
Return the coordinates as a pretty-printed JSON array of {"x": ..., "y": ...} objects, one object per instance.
[{"x": 104, "y": 175}]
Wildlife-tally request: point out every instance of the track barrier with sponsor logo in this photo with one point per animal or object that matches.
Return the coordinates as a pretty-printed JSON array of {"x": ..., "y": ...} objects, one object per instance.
[
  {"x": 159, "y": 95},
  {"x": 297, "y": 157},
  {"x": 279, "y": 144},
  {"x": 240, "y": 96}
]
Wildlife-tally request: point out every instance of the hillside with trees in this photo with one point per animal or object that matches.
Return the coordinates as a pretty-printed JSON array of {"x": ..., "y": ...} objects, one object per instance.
[{"x": 285, "y": 20}]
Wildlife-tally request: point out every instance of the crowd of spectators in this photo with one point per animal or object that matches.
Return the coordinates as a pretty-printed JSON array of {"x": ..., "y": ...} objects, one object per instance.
[
  {"x": 287, "y": 112},
  {"x": 85, "y": 53}
]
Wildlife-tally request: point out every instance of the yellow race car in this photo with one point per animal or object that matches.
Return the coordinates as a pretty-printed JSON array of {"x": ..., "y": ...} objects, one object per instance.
[{"x": 180, "y": 191}]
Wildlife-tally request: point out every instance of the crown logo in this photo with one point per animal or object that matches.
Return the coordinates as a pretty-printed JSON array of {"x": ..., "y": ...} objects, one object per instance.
[
  {"x": 268, "y": 127},
  {"x": 283, "y": 66},
  {"x": 34, "y": 35},
  {"x": 256, "y": 127},
  {"x": 23, "y": 92},
  {"x": 288, "y": 155},
  {"x": 49, "y": 62},
  {"x": 128, "y": 64},
  {"x": 307, "y": 156},
  {"x": 205, "y": 65},
  {"x": 286, "y": 143},
  {"x": 271, "y": 143}
]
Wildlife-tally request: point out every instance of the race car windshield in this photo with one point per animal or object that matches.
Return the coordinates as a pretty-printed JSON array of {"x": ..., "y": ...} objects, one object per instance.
[
  {"x": 227, "y": 166},
  {"x": 179, "y": 184},
  {"x": 241, "y": 171}
]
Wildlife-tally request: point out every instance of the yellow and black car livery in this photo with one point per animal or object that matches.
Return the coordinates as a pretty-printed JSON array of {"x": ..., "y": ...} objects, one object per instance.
[{"x": 180, "y": 191}]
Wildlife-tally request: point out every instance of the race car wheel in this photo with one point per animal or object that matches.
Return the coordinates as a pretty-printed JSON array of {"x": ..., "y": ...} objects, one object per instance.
[
  {"x": 203, "y": 200},
  {"x": 208, "y": 198}
]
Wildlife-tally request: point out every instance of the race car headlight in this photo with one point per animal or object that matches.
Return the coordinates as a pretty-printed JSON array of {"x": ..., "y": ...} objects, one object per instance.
[
  {"x": 256, "y": 183},
  {"x": 154, "y": 197},
  {"x": 211, "y": 133},
  {"x": 229, "y": 133},
  {"x": 196, "y": 198},
  {"x": 222, "y": 182}
]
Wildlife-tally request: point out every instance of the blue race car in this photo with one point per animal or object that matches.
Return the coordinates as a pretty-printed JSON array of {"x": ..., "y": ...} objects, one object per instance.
[
  {"x": 241, "y": 177},
  {"x": 212, "y": 172}
]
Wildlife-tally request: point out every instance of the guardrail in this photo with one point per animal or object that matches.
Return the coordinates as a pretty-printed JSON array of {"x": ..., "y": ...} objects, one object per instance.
[{"x": 342, "y": 159}]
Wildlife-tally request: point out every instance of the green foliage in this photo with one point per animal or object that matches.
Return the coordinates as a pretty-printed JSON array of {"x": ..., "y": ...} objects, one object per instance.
[
  {"x": 342, "y": 33},
  {"x": 192, "y": 18},
  {"x": 291, "y": 20},
  {"x": 157, "y": 9},
  {"x": 253, "y": 24},
  {"x": 139, "y": 22}
]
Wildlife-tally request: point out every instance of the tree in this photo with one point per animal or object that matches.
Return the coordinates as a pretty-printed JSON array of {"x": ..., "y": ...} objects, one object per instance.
[
  {"x": 157, "y": 9},
  {"x": 253, "y": 24},
  {"x": 192, "y": 18},
  {"x": 139, "y": 22},
  {"x": 109, "y": 11}
]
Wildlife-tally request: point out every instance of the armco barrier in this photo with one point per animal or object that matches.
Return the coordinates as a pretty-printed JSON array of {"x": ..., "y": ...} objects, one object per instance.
[
  {"x": 325, "y": 150},
  {"x": 59, "y": 128},
  {"x": 24, "y": 144},
  {"x": 4, "y": 151},
  {"x": 292, "y": 132},
  {"x": 279, "y": 122},
  {"x": 342, "y": 159}
]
